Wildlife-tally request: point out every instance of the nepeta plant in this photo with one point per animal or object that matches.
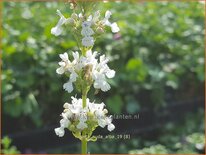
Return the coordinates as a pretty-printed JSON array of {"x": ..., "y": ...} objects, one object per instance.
[{"x": 84, "y": 70}]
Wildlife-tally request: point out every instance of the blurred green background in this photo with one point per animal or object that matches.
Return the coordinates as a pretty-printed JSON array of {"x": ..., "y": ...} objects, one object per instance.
[{"x": 159, "y": 61}]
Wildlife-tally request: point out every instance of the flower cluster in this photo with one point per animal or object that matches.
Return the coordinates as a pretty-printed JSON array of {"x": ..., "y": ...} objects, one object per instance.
[
  {"x": 84, "y": 69},
  {"x": 98, "y": 70},
  {"x": 92, "y": 25},
  {"x": 76, "y": 118}
]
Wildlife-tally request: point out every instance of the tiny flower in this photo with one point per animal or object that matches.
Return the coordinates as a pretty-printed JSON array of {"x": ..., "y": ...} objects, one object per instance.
[
  {"x": 57, "y": 30},
  {"x": 114, "y": 27},
  {"x": 86, "y": 24},
  {"x": 88, "y": 41},
  {"x": 110, "y": 126},
  {"x": 59, "y": 131},
  {"x": 87, "y": 31},
  {"x": 74, "y": 16},
  {"x": 63, "y": 64},
  {"x": 105, "y": 21}
]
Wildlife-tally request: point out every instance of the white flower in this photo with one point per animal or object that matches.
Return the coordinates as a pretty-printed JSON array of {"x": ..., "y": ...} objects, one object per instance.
[
  {"x": 86, "y": 24},
  {"x": 86, "y": 29},
  {"x": 64, "y": 64},
  {"x": 100, "y": 72},
  {"x": 114, "y": 27},
  {"x": 88, "y": 41},
  {"x": 105, "y": 21},
  {"x": 94, "y": 19},
  {"x": 57, "y": 30},
  {"x": 87, "y": 32},
  {"x": 69, "y": 85},
  {"x": 59, "y": 131},
  {"x": 100, "y": 83},
  {"x": 110, "y": 126},
  {"x": 72, "y": 67}
]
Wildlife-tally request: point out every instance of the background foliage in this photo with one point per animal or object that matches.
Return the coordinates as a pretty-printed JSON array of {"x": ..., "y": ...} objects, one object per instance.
[{"x": 158, "y": 57}]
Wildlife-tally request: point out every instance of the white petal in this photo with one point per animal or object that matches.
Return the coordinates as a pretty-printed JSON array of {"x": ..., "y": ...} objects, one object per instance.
[
  {"x": 73, "y": 76},
  {"x": 60, "y": 70},
  {"x": 114, "y": 27},
  {"x": 75, "y": 55},
  {"x": 59, "y": 132},
  {"x": 66, "y": 105},
  {"x": 96, "y": 85},
  {"x": 105, "y": 86},
  {"x": 63, "y": 64},
  {"x": 111, "y": 127},
  {"x": 102, "y": 123},
  {"x": 56, "y": 31},
  {"x": 86, "y": 24},
  {"x": 64, "y": 123},
  {"x": 87, "y": 32},
  {"x": 108, "y": 14},
  {"x": 110, "y": 73},
  {"x": 89, "y": 18},
  {"x": 68, "y": 86},
  {"x": 88, "y": 41},
  {"x": 64, "y": 56}
]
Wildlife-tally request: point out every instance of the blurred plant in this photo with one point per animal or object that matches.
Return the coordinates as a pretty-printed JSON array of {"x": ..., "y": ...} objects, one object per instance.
[
  {"x": 7, "y": 147},
  {"x": 155, "y": 149}
]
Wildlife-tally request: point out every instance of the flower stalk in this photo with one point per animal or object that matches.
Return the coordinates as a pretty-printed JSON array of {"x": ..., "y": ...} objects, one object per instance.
[{"x": 84, "y": 146}]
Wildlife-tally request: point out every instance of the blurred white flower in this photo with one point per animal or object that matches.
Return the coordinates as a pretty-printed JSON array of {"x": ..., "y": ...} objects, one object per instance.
[
  {"x": 27, "y": 14},
  {"x": 57, "y": 30},
  {"x": 114, "y": 27},
  {"x": 88, "y": 41},
  {"x": 59, "y": 131},
  {"x": 105, "y": 21}
]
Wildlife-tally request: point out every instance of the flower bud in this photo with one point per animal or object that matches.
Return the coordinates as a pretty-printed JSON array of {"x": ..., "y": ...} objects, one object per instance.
[
  {"x": 66, "y": 105},
  {"x": 65, "y": 110},
  {"x": 105, "y": 111},
  {"x": 88, "y": 73},
  {"x": 100, "y": 30},
  {"x": 70, "y": 21},
  {"x": 74, "y": 16},
  {"x": 72, "y": 127}
]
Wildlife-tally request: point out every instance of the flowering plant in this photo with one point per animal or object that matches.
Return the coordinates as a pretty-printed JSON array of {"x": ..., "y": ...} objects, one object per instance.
[{"x": 84, "y": 70}]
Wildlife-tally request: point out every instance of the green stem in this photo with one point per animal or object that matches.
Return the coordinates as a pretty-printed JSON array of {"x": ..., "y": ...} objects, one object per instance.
[
  {"x": 84, "y": 100},
  {"x": 84, "y": 146},
  {"x": 84, "y": 141}
]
